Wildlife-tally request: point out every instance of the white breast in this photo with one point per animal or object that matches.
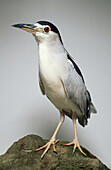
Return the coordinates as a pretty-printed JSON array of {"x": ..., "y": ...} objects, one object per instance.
[{"x": 53, "y": 66}]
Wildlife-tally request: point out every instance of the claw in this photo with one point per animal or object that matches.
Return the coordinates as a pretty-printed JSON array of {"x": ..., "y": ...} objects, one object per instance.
[
  {"x": 54, "y": 149},
  {"x": 42, "y": 147},
  {"x": 47, "y": 146},
  {"x": 76, "y": 145}
]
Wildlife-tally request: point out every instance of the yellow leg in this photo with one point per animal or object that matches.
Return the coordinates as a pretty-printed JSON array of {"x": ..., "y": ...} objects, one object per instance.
[
  {"x": 53, "y": 140},
  {"x": 75, "y": 141}
]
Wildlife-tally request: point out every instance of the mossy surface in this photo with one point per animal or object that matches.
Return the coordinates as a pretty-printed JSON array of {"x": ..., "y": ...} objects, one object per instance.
[{"x": 22, "y": 156}]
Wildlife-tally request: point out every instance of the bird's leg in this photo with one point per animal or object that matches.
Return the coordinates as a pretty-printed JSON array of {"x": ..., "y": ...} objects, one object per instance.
[
  {"x": 75, "y": 141},
  {"x": 53, "y": 140}
]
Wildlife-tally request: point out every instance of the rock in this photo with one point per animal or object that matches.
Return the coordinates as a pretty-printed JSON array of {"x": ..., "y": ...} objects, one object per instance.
[{"x": 21, "y": 157}]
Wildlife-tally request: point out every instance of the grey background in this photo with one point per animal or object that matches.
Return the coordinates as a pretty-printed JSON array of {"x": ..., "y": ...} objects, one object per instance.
[{"x": 85, "y": 27}]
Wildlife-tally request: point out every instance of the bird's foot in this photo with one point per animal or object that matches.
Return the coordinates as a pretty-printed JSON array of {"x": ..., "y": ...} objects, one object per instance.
[
  {"x": 47, "y": 146},
  {"x": 76, "y": 145}
]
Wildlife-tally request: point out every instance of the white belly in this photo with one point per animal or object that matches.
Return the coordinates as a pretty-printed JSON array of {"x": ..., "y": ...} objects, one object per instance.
[
  {"x": 54, "y": 89},
  {"x": 52, "y": 69},
  {"x": 57, "y": 95}
]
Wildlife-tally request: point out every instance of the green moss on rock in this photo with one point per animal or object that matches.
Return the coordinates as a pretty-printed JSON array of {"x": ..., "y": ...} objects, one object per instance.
[{"x": 21, "y": 156}]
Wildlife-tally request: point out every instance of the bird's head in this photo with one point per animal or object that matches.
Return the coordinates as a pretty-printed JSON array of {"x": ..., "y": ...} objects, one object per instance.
[{"x": 43, "y": 31}]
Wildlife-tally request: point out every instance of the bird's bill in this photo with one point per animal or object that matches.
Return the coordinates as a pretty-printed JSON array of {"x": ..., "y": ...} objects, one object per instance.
[{"x": 27, "y": 27}]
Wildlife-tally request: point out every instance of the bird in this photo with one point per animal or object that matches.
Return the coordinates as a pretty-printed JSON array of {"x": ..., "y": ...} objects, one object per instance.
[{"x": 61, "y": 80}]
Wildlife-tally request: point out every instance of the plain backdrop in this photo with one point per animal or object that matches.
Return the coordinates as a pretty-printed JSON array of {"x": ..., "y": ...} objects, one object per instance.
[{"x": 85, "y": 27}]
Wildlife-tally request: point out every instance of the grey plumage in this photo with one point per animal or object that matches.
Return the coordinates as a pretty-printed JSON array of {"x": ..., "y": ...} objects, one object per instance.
[{"x": 76, "y": 91}]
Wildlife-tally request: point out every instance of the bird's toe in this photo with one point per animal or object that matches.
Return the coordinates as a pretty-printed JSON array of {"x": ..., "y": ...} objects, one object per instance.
[
  {"x": 76, "y": 145},
  {"x": 47, "y": 146}
]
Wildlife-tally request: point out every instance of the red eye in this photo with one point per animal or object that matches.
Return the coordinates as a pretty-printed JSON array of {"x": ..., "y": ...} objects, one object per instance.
[{"x": 46, "y": 29}]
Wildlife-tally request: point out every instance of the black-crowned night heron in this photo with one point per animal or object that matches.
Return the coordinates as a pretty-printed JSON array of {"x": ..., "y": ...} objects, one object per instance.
[{"x": 60, "y": 79}]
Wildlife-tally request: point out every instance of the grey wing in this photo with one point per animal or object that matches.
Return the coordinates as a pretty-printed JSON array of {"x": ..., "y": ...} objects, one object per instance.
[
  {"x": 75, "y": 88},
  {"x": 76, "y": 91},
  {"x": 41, "y": 85}
]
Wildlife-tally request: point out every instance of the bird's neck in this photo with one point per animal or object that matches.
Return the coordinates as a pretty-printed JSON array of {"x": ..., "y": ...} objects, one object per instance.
[
  {"x": 52, "y": 54},
  {"x": 51, "y": 47}
]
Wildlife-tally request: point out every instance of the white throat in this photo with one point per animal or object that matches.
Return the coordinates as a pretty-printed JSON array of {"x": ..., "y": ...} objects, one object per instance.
[{"x": 52, "y": 60}]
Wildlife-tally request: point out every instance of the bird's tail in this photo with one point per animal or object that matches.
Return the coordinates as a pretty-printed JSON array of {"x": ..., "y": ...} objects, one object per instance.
[
  {"x": 92, "y": 109},
  {"x": 83, "y": 120}
]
